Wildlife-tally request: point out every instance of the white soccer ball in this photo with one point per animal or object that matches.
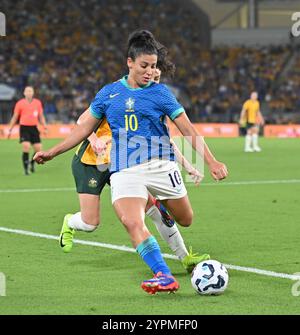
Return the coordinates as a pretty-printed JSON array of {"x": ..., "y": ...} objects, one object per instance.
[{"x": 209, "y": 278}]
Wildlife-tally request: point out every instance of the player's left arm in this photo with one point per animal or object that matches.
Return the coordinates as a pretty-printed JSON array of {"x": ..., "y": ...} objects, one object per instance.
[
  {"x": 217, "y": 169},
  {"x": 12, "y": 123},
  {"x": 42, "y": 119},
  {"x": 14, "y": 119},
  {"x": 260, "y": 118},
  {"x": 196, "y": 175}
]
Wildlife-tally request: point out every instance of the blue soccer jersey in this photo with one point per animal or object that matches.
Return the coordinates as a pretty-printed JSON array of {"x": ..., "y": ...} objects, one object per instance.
[{"x": 137, "y": 118}]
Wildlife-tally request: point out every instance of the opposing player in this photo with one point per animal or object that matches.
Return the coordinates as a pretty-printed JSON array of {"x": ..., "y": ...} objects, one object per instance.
[
  {"x": 29, "y": 112},
  {"x": 91, "y": 174},
  {"x": 142, "y": 158},
  {"x": 252, "y": 117}
]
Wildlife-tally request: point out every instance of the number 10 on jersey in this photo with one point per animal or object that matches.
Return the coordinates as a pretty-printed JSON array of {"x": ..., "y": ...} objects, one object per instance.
[{"x": 131, "y": 122}]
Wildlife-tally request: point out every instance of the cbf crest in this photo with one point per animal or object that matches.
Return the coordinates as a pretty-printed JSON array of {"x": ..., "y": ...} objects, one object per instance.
[{"x": 130, "y": 105}]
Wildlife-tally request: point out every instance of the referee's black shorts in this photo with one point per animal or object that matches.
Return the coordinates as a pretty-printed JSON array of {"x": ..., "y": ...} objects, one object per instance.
[{"x": 29, "y": 134}]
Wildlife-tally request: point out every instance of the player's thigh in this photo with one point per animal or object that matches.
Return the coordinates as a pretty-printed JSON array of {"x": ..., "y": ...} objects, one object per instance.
[
  {"x": 89, "y": 185},
  {"x": 35, "y": 137},
  {"x": 164, "y": 180},
  {"x": 90, "y": 208},
  {"x": 255, "y": 129},
  {"x": 128, "y": 183},
  {"x": 180, "y": 209},
  {"x": 251, "y": 129},
  {"x": 87, "y": 177},
  {"x": 25, "y": 138}
]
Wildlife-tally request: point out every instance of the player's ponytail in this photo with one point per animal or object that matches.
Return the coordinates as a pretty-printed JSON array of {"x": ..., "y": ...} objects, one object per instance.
[
  {"x": 163, "y": 62},
  {"x": 141, "y": 42}
]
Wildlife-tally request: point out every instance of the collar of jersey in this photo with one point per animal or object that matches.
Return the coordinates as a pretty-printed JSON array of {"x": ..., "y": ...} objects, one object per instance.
[{"x": 125, "y": 83}]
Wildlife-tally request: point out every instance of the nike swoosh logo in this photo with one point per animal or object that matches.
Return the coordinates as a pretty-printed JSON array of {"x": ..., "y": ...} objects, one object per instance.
[
  {"x": 60, "y": 241},
  {"x": 113, "y": 95},
  {"x": 173, "y": 234}
]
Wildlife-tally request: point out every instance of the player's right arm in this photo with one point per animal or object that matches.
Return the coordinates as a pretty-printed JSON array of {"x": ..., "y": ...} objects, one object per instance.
[
  {"x": 242, "y": 116},
  {"x": 14, "y": 119},
  {"x": 242, "y": 120},
  {"x": 98, "y": 145},
  {"x": 92, "y": 138},
  {"x": 92, "y": 118},
  {"x": 12, "y": 123},
  {"x": 78, "y": 134}
]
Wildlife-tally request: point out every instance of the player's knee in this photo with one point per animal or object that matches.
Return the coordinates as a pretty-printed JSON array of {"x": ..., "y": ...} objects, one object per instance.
[
  {"x": 131, "y": 223},
  {"x": 187, "y": 219}
]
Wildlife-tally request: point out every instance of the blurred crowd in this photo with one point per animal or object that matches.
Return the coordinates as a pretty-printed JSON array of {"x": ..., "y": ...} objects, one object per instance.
[{"x": 68, "y": 50}]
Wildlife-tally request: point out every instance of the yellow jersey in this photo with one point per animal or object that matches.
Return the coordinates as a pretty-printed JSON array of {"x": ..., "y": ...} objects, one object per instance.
[
  {"x": 87, "y": 154},
  {"x": 252, "y": 108}
]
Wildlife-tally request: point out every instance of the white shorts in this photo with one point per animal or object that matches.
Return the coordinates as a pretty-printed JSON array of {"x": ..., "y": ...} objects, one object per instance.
[{"x": 161, "y": 178}]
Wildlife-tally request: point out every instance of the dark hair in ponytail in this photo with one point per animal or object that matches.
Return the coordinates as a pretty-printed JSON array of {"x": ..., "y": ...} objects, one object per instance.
[
  {"x": 143, "y": 42},
  {"x": 163, "y": 62}
]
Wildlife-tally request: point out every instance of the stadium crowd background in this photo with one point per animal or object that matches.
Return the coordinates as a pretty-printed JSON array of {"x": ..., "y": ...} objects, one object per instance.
[{"x": 68, "y": 50}]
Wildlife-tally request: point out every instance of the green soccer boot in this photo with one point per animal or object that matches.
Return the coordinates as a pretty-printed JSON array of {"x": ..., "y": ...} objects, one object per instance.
[
  {"x": 191, "y": 260},
  {"x": 66, "y": 235}
]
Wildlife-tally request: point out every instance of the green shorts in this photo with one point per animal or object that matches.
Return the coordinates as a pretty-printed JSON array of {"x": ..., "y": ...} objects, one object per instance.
[
  {"x": 250, "y": 125},
  {"x": 88, "y": 178}
]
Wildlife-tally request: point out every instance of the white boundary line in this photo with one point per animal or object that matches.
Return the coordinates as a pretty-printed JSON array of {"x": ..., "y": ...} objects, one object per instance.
[
  {"x": 231, "y": 183},
  {"x": 127, "y": 249}
]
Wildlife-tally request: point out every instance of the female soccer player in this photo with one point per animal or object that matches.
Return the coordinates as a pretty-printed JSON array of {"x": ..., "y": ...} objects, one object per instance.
[
  {"x": 142, "y": 158},
  {"x": 91, "y": 175},
  {"x": 252, "y": 116}
]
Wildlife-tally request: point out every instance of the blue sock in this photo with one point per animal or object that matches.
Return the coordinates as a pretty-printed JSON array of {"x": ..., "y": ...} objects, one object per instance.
[{"x": 150, "y": 252}]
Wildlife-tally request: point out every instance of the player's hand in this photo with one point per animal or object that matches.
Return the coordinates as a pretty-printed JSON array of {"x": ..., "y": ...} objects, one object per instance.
[
  {"x": 9, "y": 133},
  {"x": 241, "y": 123},
  {"x": 218, "y": 170},
  {"x": 196, "y": 176},
  {"x": 99, "y": 146},
  {"x": 46, "y": 131},
  {"x": 41, "y": 157}
]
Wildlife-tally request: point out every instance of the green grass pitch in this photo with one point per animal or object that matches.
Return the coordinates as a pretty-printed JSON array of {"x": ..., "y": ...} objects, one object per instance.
[{"x": 251, "y": 225}]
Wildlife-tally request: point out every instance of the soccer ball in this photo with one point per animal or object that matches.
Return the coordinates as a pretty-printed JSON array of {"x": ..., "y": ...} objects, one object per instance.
[{"x": 209, "y": 278}]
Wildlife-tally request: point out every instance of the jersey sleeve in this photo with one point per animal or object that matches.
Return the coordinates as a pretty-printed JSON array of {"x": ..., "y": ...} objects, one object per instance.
[
  {"x": 169, "y": 103},
  {"x": 245, "y": 105},
  {"x": 97, "y": 107}
]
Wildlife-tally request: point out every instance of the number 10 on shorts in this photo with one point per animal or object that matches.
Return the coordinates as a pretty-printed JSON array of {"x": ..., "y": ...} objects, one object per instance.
[{"x": 175, "y": 178}]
